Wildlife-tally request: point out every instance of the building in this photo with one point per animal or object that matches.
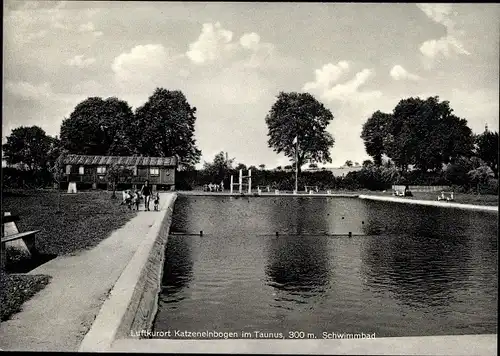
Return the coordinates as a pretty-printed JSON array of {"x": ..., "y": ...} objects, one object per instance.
[
  {"x": 160, "y": 171},
  {"x": 336, "y": 171}
]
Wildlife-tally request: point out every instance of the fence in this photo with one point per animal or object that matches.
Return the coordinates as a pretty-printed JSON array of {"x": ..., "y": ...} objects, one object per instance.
[{"x": 423, "y": 188}]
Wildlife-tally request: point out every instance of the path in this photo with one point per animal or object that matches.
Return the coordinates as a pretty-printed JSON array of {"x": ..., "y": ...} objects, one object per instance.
[
  {"x": 432, "y": 203},
  {"x": 58, "y": 317}
]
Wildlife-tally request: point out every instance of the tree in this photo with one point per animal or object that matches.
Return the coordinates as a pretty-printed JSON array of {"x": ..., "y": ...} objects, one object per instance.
[
  {"x": 219, "y": 169},
  {"x": 241, "y": 166},
  {"x": 57, "y": 170},
  {"x": 356, "y": 164},
  {"x": 164, "y": 126},
  {"x": 313, "y": 165},
  {"x": 486, "y": 148},
  {"x": 373, "y": 134},
  {"x": 300, "y": 115},
  {"x": 29, "y": 147},
  {"x": 480, "y": 176},
  {"x": 262, "y": 166},
  {"x": 426, "y": 134},
  {"x": 114, "y": 173},
  {"x": 279, "y": 168},
  {"x": 348, "y": 163},
  {"x": 99, "y": 127},
  {"x": 368, "y": 163}
]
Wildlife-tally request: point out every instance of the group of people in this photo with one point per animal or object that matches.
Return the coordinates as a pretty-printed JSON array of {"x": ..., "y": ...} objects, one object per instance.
[
  {"x": 214, "y": 187},
  {"x": 132, "y": 198}
]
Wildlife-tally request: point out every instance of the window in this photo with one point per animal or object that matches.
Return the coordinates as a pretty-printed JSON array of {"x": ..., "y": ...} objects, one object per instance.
[
  {"x": 101, "y": 170},
  {"x": 81, "y": 170},
  {"x": 154, "y": 171},
  {"x": 68, "y": 169}
]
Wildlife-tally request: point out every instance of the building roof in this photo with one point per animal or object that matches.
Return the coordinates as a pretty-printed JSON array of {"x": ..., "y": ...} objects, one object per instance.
[{"x": 121, "y": 160}]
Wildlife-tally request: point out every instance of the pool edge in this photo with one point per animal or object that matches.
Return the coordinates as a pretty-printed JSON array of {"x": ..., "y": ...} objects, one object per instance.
[
  {"x": 488, "y": 208},
  {"x": 132, "y": 302}
]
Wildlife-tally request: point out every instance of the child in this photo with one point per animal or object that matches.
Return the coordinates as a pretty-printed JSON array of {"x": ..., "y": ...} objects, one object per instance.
[
  {"x": 136, "y": 200},
  {"x": 157, "y": 201},
  {"x": 128, "y": 199}
]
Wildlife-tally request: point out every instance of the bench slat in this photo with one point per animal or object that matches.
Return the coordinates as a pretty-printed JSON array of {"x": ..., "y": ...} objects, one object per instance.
[{"x": 19, "y": 236}]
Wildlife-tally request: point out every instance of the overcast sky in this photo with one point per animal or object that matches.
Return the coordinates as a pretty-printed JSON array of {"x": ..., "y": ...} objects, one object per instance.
[{"x": 232, "y": 59}]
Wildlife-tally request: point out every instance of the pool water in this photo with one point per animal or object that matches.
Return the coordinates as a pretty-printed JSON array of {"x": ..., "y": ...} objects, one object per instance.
[{"x": 284, "y": 264}]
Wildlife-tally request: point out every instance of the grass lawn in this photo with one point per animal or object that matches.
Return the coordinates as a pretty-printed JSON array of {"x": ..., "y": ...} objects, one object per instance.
[
  {"x": 86, "y": 219},
  {"x": 15, "y": 289}
]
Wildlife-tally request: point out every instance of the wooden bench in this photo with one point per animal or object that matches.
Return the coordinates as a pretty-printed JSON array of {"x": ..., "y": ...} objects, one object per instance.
[{"x": 10, "y": 233}]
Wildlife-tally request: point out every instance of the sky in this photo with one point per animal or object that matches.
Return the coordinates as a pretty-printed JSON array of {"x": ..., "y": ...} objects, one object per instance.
[{"x": 232, "y": 59}]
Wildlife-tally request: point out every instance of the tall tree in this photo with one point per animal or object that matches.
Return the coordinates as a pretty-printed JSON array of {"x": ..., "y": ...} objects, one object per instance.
[
  {"x": 373, "y": 134},
  {"x": 426, "y": 134},
  {"x": 98, "y": 127},
  {"x": 486, "y": 148},
  {"x": 348, "y": 163},
  {"x": 28, "y": 146},
  {"x": 300, "y": 115},
  {"x": 164, "y": 126}
]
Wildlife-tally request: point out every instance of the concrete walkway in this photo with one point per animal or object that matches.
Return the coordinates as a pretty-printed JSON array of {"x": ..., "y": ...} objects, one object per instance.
[
  {"x": 58, "y": 317},
  {"x": 432, "y": 203}
]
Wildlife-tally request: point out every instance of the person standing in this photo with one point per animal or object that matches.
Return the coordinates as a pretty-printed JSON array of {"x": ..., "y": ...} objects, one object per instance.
[{"x": 146, "y": 192}]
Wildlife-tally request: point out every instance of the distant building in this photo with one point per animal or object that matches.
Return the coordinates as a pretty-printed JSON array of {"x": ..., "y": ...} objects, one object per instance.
[
  {"x": 93, "y": 169},
  {"x": 336, "y": 171}
]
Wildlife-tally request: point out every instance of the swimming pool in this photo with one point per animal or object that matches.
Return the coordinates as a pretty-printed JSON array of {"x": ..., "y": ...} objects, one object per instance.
[{"x": 287, "y": 264}]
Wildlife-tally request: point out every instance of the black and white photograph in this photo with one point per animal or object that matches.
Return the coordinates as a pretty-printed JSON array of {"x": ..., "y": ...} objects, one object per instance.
[{"x": 250, "y": 177}]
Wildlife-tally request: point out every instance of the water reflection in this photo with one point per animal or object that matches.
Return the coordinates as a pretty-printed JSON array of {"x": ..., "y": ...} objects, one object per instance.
[
  {"x": 417, "y": 271},
  {"x": 178, "y": 267},
  {"x": 297, "y": 264},
  {"x": 426, "y": 262}
]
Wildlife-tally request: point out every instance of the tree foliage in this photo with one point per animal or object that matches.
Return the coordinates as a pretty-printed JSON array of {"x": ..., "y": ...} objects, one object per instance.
[
  {"x": 486, "y": 148},
  {"x": 219, "y": 169},
  {"x": 367, "y": 163},
  {"x": 29, "y": 147},
  {"x": 116, "y": 172},
  {"x": 300, "y": 115},
  {"x": 373, "y": 134},
  {"x": 348, "y": 163},
  {"x": 422, "y": 133},
  {"x": 164, "y": 126},
  {"x": 98, "y": 127}
]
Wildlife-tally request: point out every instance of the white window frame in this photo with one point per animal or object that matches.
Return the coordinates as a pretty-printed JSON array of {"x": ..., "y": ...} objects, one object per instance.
[
  {"x": 81, "y": 170},
  {"x": 101, "y": 170},
  {"x": 154, "y": 169}
]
